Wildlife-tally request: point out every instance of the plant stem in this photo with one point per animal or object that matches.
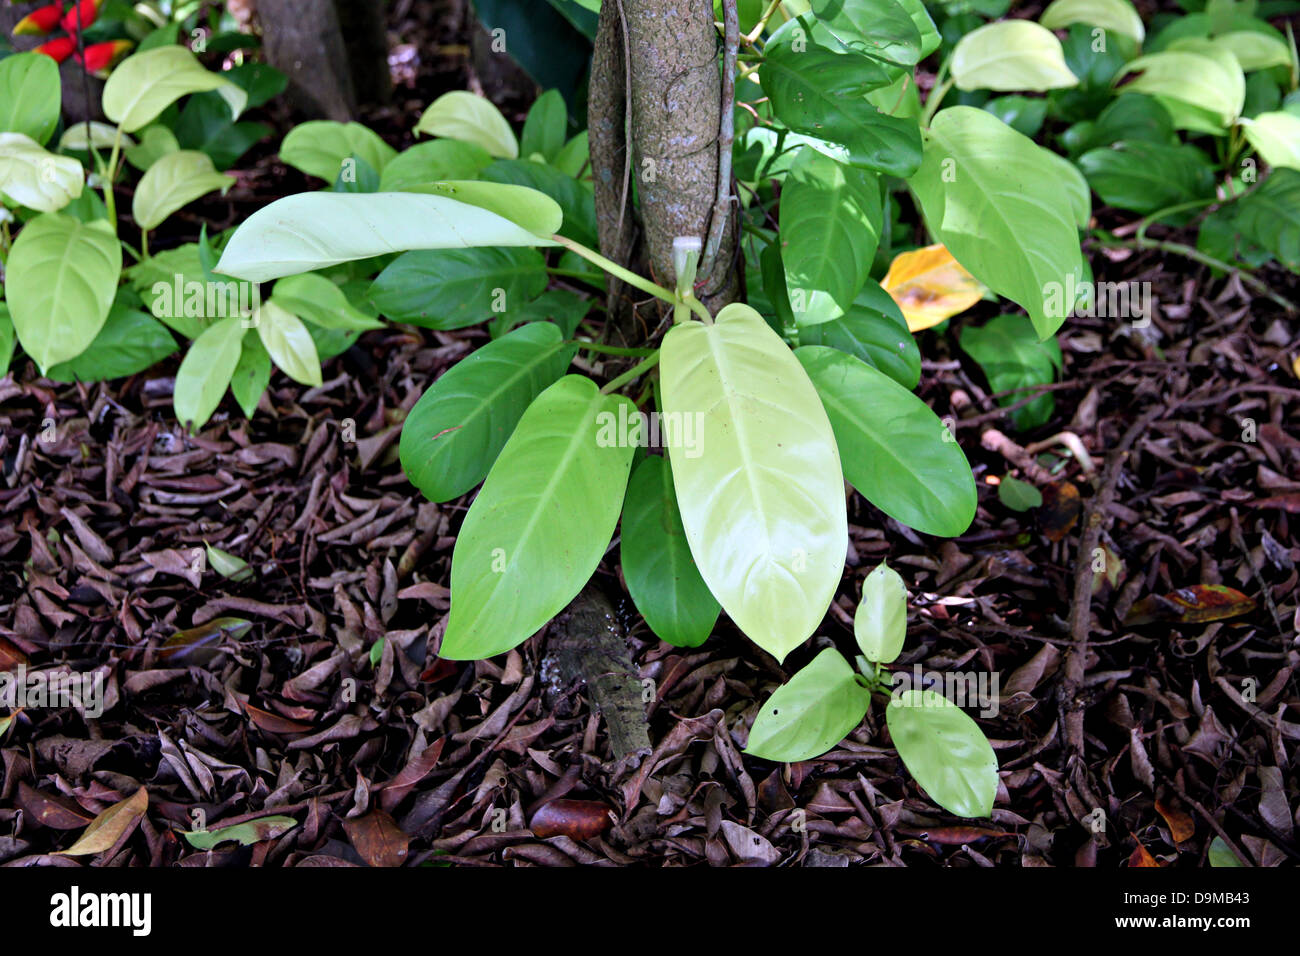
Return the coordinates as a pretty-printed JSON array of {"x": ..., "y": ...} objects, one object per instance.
[
  {"x": 752, "y": 36},
  {"x": 610, "y": 349},
  {"x": 636, "y": 371},
  {"x": 631, "y": 278},
  {"x": 937, "y": 93},
  {"x": 110, "y": 201},
  {"x": 144, "y": 243}
]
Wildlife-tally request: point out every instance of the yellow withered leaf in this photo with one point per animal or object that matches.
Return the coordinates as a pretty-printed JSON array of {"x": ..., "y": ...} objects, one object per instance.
[{"x": 929, "y": 285}]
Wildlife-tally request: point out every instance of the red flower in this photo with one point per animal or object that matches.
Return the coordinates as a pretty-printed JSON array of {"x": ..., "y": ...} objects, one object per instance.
[
  {"x": 58, "y": 49},
  {"x": 84, "y": 12},
  {"x": 102, "y": 57},
  {"x": 41, "y": 21}
]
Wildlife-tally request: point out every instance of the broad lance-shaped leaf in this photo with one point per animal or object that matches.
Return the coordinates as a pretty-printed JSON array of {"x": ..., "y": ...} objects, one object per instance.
[
  {"x": 319, "y": 301},
  {"x": 810, "y": 714},
  {"x": 1011, "y": 55},
  {"x": 994, "y": 199},
  {"x": 1207, "y": 78},
  {"x": 660, "y": 573},
  {"x": 1117, "y": 16},
  {"x": 60, "y": 282},
  {"x": 288, "y": 343},
  {"x": 173, "y": 181},
  {"x": 540, "y": 525},
  {"x": 472, "y": 119},
  {"x": 1276, "y": 136},
  {"x": 880, "y": 622},
  {"x": 319, "y": 148},
  {"x": 145, "y": 84},
  {"x": 206, "y": 371},
  {"x": 460, "y": 424},
  {"x": 34, "y": 178},
  {"x": 312, "y": 231},
  {"x": 895, "y": 450},
  {"x": 945, "y": 751},
  {"x": 30, "y": 95},
  {"x": 763, "y": 502}
]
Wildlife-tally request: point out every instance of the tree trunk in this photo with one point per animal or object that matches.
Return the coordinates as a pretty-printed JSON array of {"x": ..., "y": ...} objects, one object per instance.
[
  {"x": 366, "y": 40},
  {"x": 302, "y": 39}
]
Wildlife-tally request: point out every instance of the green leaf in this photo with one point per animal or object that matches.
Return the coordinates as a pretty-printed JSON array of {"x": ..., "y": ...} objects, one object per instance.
[
  {"x": 1018, "y": 495},
  {"x": 830, "y": 227},
  {"x": 879, "y": 28},
  {"x": 1269, "y": 217},
  {"x": 660, "y": 573},
  {"x": 130, "y": 342},
  {"x": 1255, "y": 50},
  {"x": 316, "y": 299},
  {"x": 1276, "y": 137},
  {"x": 319, "y": 148},
  {"x": 252, "y": 374},
  {"x": 1117, "y": 16},
  {"x": 895, "y": 450},
  {"x": 1206, "y": 79},
  {"x": 460, "y": 424},
  {"x": 811, "y": 713},
  {"x": 1132, "y": 116},
  {"x": 1011, "y": 55},
  {"x": 823, "y": 94},
  {"x": 945, "y": 751},
  {"x": 6, "y": 340},
  {"x": 206, "y": 370},
  {"x": 1022, "y": 113},
  {"x": 227, "y": 565},
  {"x": 288, "y": 343},
  {"x": 60, "y": 282},
  {"x": 522, "y": 205},
  {"x": 473, "y": 119},
  {"x": 453, "y": 288},
  {"x": 172, "y": 182},
  {"x": 545, "y": 127},
  {"x": 1221, "y": 855},
  {"x": 993, "y": 199},
  {"x": 873, "y": 330},
  {"x": 763, "y": 505},
  {"x": 245, "y": 834},
  {"x": 929, "y": 33},
  {"x": 433, "y": 162},
  {"x": 574, "y": 198},
  {"x": 145, "y": 84},
  {"x": 540, "y": 525},
  {"x": 31, "y": 177},
  {"x": 155, "y": 143},
  {"x": 880, "y": 622},
  {"x": 312, "y": 231},
  {"x": 566, "y": 309},
  {"x": 1008, "y": 351},
  {"x": 1144, "y": 177},
  {"x": 100, "y": 136},
  {"x": 30, "y": 96}
]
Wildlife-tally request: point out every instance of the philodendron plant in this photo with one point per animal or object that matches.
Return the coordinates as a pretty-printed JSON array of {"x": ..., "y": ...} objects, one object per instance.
[
  {"x": 942, "y": 747},
  {"x": 763, "y": 410}
]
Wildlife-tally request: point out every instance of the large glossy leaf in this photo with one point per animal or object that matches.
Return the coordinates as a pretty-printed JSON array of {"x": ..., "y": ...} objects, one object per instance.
[
  {"x": 1144, "y": 177},
  {"x": 30, "y": 96},
  {"x": 144, "y": 85},
  {"x": 311, "y": 231},
  {"x": 463, "y": 116},
  {"x": 1011, "y": 55},
  {"x": 875, "y": 331},
  {"x": 60, "y": 282},
  {"x": 1205, "y": 78},
  {"x": 573, "y": 197},
  {"x": 539, "y": 527},
  {"x": 879, "y": 28},
  {"x": 660, "y": 573},
  {"x": 546, "y": 127},
  {"x": 1131, "y": 116},
  {"x": 130, "y": 342},
  {"x": 206, "y": 371},
  {"x": 1118, "y": 16},
  {"x": 1255, "y": 50},
  {"x": 993, "y": 198},
  {"x": 319, "y": 148},
  {"x": 813, "y": 712},
  {"x": 823, "y": 94},
  {"x": 318, "y": 300},
  {"x": 1276, "y": 136},
  {"x": 288, "y": 343},
  {"x": 172, "y": 182},
  {"x": 895, "y": 450},
  {"x": 460, "y": 424},
  {"x": 34, "y": 178},
  {"x": 880, "y": 622},
  {"x": 433, "y": 162},
  {"x": 830, "y": 227},
  {"x": 763, "y": 504},
  {"x": 453, "y": 288},
  {"x": 1270, "y": 216},
  {"x": 1012, "y": 357},
  {"x": 524, "y": 206},
  {"x": 945, "y": 751}
]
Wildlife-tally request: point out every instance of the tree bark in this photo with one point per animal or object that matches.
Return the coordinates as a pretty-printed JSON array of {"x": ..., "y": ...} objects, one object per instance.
[
  {"x": 302, "y": 39},
  {"x": 366, "y": 40}
]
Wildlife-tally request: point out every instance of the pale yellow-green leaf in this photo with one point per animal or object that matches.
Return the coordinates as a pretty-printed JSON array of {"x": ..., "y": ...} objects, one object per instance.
[
  {"x": 1117, "y": 16},
  {"x": 289, "y": 343},
  {"x": 319, "y": 148},
  {"x": 101, "y": 136},
  {"x": 173, "y": 181},
  {"x": 37, "y": 179},
  {"x": 525, "y": 207},
  {"x": 1011, "y": 55},
  {"x": 880, "y": 622},
  {"x": 206, "y": 371},
  {"x": 228, "y": 565},
  {"x": 1196, "y": 74},
  {"x": 1276, "y": 137},
  {"x": 762, "y": 502},
  {"x": 146, "y": 83},
  {"x": 472, "y": 119},
  {"x": 1255, "y": 50}
]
